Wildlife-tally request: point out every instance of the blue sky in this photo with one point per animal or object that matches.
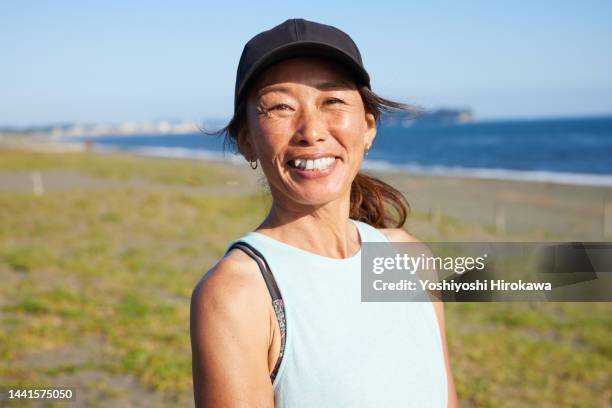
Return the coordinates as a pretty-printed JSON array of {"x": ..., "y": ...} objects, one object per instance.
[{"x": 74, "y": 61}]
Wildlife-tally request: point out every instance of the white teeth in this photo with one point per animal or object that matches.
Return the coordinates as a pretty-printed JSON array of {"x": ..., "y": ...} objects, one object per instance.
[{"x": 318, "y": 164}]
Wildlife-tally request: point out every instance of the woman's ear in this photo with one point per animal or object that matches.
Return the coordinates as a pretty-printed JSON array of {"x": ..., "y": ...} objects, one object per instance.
[
  {"x": 370, "y": 129},
  {"x": 245, "y": 146}
]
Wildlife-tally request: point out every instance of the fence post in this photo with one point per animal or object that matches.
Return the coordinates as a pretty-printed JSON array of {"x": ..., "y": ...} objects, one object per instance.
[
  {"x": 500, "y": 216},
  {"x": 607, "y": 218},
  {"x": 37, "y": 183}
]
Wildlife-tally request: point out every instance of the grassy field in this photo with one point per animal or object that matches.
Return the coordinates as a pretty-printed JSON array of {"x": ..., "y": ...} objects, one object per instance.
[{"x": 96, "y": 285}]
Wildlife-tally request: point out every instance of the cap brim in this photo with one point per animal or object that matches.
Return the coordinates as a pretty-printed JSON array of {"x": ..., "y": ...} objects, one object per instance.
[{"x": 304, "y": 49}]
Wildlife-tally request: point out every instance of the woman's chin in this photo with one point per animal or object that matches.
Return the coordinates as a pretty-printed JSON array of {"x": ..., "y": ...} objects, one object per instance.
[
  {"x": 316, "y": 187},
  {"x": 317, "y": 193}
]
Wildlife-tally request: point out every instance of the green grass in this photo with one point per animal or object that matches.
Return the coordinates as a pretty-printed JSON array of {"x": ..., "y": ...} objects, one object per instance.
[
  {"x": 104, "y": 277},
  {"x": 119, "y": 167}
]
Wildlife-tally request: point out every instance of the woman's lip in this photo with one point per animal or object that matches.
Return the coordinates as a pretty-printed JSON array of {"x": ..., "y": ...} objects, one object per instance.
[{"x": 314, "y": 174}]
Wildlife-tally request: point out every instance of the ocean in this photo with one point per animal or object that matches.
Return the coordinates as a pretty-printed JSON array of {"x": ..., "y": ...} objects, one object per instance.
[{"x": 574, "y": 151}]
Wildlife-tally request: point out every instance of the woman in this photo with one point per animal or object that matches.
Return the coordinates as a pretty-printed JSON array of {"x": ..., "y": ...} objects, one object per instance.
[{"x": 301, "y": 337}]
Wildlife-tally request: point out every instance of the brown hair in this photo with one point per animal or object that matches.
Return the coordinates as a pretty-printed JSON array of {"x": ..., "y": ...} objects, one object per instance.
[{"x": 371, "y": 198}]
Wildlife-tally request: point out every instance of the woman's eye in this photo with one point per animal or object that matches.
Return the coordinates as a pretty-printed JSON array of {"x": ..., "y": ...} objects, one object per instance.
[
  {"x": 281, "y": 106},
  {"x": 334, "y": 100}
]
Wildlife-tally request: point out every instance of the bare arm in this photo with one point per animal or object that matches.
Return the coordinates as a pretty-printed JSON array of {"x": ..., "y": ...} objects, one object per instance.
[
  {"x": 230, "y": 338},
  {"x": 400, "y": 235}
]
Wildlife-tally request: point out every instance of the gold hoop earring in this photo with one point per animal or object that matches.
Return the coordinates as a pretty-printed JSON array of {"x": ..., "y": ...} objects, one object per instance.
[{"x": 251, "y": 164}]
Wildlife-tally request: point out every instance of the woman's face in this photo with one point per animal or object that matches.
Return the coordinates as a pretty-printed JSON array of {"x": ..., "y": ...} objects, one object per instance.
[{"x": 307, "y": 125}]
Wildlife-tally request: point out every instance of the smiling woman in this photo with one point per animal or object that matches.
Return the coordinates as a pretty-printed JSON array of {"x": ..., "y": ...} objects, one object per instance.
[
  {"x": 304, "y": 110},
  {"x": 368, "y": 194}
]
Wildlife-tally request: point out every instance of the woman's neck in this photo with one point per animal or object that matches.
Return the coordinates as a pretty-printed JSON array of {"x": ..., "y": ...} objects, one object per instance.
[{"x": 325, "y": 230}]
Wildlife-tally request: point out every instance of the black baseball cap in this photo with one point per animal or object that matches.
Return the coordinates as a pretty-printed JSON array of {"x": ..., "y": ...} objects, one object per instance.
[{"x": 297, "y": 37}]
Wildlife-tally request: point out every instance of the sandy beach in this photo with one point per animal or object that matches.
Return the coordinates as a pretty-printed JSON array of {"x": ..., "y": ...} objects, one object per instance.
[{"x": 547, "y": 210}]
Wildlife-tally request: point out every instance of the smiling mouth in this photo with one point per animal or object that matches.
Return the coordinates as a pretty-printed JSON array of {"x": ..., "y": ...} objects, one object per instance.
[{"x": 313, "y": 164}]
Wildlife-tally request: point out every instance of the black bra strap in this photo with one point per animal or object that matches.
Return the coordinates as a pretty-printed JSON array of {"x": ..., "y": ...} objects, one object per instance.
[
  {"x": 277, "y": 300},
  {"x": 263, "y": 267}
]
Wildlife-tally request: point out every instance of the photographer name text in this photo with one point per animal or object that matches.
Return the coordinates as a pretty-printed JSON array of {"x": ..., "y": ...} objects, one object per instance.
[{"x": 477, "y": 285}]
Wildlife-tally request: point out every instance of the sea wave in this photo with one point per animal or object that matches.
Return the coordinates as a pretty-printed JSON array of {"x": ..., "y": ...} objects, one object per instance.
[
  {"x": 174, "y": 152},
  {"x": 601, "y": 180}
]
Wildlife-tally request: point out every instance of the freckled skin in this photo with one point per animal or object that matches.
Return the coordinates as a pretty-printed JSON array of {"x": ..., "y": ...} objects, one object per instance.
[{"x": 304, "y": 118}]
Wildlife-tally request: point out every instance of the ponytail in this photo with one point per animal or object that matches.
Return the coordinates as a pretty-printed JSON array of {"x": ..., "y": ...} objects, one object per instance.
[{"x": 371, "y": 200}]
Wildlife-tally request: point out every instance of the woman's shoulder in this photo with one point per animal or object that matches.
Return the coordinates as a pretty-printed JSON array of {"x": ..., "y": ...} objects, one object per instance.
[
  {"x": 398, "y": 235},
  {"x": 233, "y": 285},
  {"x": 234, "y": 265}
]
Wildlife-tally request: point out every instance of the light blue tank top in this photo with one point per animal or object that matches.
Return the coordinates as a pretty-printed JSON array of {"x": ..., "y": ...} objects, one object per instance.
[{"x": 341, "y": 352}]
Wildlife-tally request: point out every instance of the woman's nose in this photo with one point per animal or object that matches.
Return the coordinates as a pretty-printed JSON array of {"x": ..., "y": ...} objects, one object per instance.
[{"x": 311, "y": 127}]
